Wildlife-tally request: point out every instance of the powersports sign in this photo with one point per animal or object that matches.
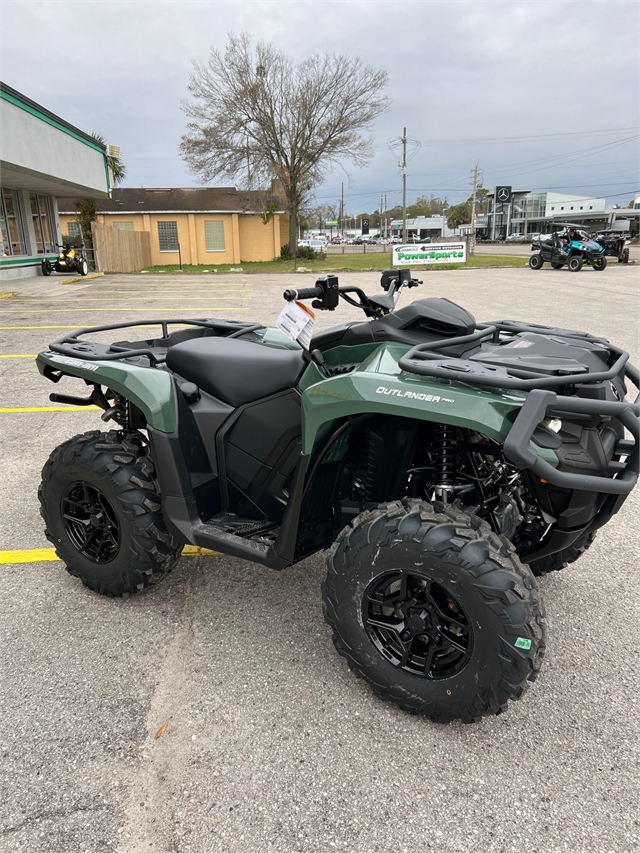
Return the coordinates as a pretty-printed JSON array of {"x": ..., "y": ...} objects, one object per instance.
[{"x": 429, "y": 253}]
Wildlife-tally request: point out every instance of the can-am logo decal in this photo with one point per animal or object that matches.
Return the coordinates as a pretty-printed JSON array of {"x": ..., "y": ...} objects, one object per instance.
[
  {"x": 75, "y": 362},
  {"x": 413, "y": 395}
]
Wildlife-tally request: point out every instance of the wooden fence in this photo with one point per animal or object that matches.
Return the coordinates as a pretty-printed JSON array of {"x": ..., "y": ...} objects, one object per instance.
[{"x": 120, "y": 251}]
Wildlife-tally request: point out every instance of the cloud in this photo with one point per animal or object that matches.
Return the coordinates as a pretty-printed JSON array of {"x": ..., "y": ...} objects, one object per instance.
[{"x": 459, "y": 71}]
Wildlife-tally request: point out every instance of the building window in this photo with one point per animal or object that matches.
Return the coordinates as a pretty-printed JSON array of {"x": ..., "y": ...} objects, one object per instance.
[
  {"x": 124, "y": 226},
  {"x": 13, "y": 240},
  {"x": 591, "y": 208},
  {"x": 42, "y": 215},
  {"x": 168, "y": 236},
  {"x": 74, "y": 229},
  {"x": 214, "y": 235},
  {"x": 581, "y": 207},
  {"x": 553, "y": 208}
]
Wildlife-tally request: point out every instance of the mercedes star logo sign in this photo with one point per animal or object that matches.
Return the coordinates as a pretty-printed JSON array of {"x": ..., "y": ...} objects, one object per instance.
[{"x": 503, "y": 194}]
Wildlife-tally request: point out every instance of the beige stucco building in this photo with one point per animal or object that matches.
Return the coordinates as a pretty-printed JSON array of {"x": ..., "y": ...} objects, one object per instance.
[{"x": 212, "y": 225}]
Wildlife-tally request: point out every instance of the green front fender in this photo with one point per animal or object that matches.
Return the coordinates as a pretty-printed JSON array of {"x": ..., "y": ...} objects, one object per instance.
[
  {"x": 380, "y": 386},
  {"x": 151, "y": 390}
]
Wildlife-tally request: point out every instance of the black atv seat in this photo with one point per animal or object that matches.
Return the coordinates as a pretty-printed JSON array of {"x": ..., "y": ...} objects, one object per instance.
[{"x": 236, "y": 371}]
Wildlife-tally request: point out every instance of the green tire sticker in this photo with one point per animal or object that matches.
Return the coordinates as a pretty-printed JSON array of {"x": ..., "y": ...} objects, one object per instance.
[{"x": 522, "y": 643}]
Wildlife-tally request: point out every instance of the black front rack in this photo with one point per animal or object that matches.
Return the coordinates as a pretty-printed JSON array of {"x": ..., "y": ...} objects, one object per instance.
[
  {"x": 71, "y": 345},
  {"x": 424, "y": 360},
  {"x": 542, "y": 402}
]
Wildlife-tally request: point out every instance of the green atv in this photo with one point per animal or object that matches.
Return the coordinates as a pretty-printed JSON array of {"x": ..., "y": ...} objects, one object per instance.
[{"x": 443, "y": 463}]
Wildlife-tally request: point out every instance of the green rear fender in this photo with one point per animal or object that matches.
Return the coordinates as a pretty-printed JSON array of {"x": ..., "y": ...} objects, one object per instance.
[{"x": 151, "y": 390}]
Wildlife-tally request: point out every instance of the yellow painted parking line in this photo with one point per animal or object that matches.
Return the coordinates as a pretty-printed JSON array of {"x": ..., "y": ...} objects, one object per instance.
[
  {"x": 6, "y": 295},
  {"x": 149, "y": 298},
  {"x": 26, "y": 409},
  {"x": 25, "y": 355},
  {"x": 33, "y": 555},
  {"x": 132, "y": 326},
  {"x": 48, "y": 555},
  {"x": 81, "y": 278},
  {"x": 112, "y": 309}
]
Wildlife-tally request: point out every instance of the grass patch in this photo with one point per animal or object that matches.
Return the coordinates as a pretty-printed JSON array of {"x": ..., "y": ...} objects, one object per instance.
[{"x": 344, "y": 263}]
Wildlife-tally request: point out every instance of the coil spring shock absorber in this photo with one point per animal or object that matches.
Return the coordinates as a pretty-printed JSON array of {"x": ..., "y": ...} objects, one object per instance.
[
  {"x": 444, "y": 461},
  {"x": 120, "y": 412}
]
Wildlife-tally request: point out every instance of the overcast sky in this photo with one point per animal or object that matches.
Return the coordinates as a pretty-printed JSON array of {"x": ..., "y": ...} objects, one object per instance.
[{"x": 543, "y": 94}]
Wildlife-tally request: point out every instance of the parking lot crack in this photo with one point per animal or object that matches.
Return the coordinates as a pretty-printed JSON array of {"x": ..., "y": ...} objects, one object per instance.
[{"x": 154, "y": 788}]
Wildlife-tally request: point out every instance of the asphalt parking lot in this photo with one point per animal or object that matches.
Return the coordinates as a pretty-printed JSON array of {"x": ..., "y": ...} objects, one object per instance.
[{"x": 271, "y": 744}]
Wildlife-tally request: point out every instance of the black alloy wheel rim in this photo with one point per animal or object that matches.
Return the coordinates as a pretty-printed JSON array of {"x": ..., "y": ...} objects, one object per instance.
[
  {"x": 417, "y": 625},
  {"x": 91, "y": 522}
]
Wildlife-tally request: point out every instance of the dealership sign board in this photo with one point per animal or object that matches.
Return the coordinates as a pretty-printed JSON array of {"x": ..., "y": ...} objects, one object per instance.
[{"x": 429, "y": 253}]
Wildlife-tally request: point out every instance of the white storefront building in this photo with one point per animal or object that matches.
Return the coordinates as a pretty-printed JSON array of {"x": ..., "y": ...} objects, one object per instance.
[{"x": 42, "y": 157}]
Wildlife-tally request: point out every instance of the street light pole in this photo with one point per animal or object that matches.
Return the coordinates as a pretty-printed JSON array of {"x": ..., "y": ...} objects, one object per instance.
[{"x": 404, "y": 185}]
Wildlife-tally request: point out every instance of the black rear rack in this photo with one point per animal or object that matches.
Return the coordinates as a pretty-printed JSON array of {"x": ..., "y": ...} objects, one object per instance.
[{"x": 71, "y": 345}]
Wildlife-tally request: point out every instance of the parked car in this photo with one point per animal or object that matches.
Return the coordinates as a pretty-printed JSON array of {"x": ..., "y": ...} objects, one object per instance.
[{"x": 515, "y": 238}]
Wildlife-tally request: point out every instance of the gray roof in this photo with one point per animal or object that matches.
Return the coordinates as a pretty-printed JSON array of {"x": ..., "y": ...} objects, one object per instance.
[{"x": 186, "y": 200}]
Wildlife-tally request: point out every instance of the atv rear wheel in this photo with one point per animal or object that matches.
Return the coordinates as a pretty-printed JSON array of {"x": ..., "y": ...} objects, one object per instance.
[
  {"x": 46, "y": 266},
  {"x": 83, "y": 267},
  {"x": 102, "y": 511},
  {"x": 434, "y": 610},
  {"x": 536, "y": 262},
  {"x": 575, "y": 263},
  {"x": 599, "y": 263},
  {"x": 560, "y": 560}
]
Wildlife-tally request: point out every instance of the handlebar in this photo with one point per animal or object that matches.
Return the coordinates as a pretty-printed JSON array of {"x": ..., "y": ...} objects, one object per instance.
[
  {"x": 326, "y": 294},
  {"x": 303, "y": 293}
]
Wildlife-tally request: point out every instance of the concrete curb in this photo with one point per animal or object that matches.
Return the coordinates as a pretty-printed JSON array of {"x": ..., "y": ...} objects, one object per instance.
[{"x": 81, "y": 278}]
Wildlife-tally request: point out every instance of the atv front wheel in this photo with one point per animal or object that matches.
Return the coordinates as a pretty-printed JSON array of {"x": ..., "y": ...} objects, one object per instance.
[
  {"x": 434, "y": 610},
  {"x": 536, "y": 262},
  {"x": 102, "y": 511},
  {"x": 575, "y": 263},
  {"x": 599, "y": 263}
]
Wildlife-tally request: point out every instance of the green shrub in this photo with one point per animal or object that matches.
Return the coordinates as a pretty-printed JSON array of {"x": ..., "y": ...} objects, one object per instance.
[
  {"x": 75, "y": 242},
  {"x": 304, "y": 253}
]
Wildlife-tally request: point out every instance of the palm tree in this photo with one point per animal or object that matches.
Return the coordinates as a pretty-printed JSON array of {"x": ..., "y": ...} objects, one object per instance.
[{"x": 116, "y": 166}]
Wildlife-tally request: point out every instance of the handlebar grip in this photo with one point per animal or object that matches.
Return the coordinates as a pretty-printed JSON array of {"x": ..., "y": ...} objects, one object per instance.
[{"x": 303, "y": 293}]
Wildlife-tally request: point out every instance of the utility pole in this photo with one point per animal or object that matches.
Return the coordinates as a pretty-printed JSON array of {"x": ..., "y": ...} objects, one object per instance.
[
  {"x": 404, "y": 185},
  {"x": 341, "y": 210},
  {"x": 472, "y": 236}
]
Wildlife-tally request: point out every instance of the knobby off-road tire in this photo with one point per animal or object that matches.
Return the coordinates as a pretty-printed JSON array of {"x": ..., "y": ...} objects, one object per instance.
[
  {"x": 470, "y": 575},
  {"x": 101, "y": 487},
  {"x": 536, "y": 262},
  {"x": 560, "y": 560},
  {"x": 599, "y": 263},
  {"x": 575, "y": 263}
]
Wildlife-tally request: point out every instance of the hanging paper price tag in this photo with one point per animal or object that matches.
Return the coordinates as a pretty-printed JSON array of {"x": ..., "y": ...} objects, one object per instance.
[{"x": 297, "y": 322}]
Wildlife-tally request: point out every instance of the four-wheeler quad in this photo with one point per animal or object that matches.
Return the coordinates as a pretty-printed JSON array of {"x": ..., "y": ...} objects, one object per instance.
[
  {"x": 444, "y": 463},
  {"x": 615, "y": 244},
  {"x": 69, "y": 260},
  {"x": 571, "y": 246}
]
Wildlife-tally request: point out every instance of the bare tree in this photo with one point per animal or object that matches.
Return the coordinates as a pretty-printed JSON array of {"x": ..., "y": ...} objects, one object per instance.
[{"x": 256, "y": 116}]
